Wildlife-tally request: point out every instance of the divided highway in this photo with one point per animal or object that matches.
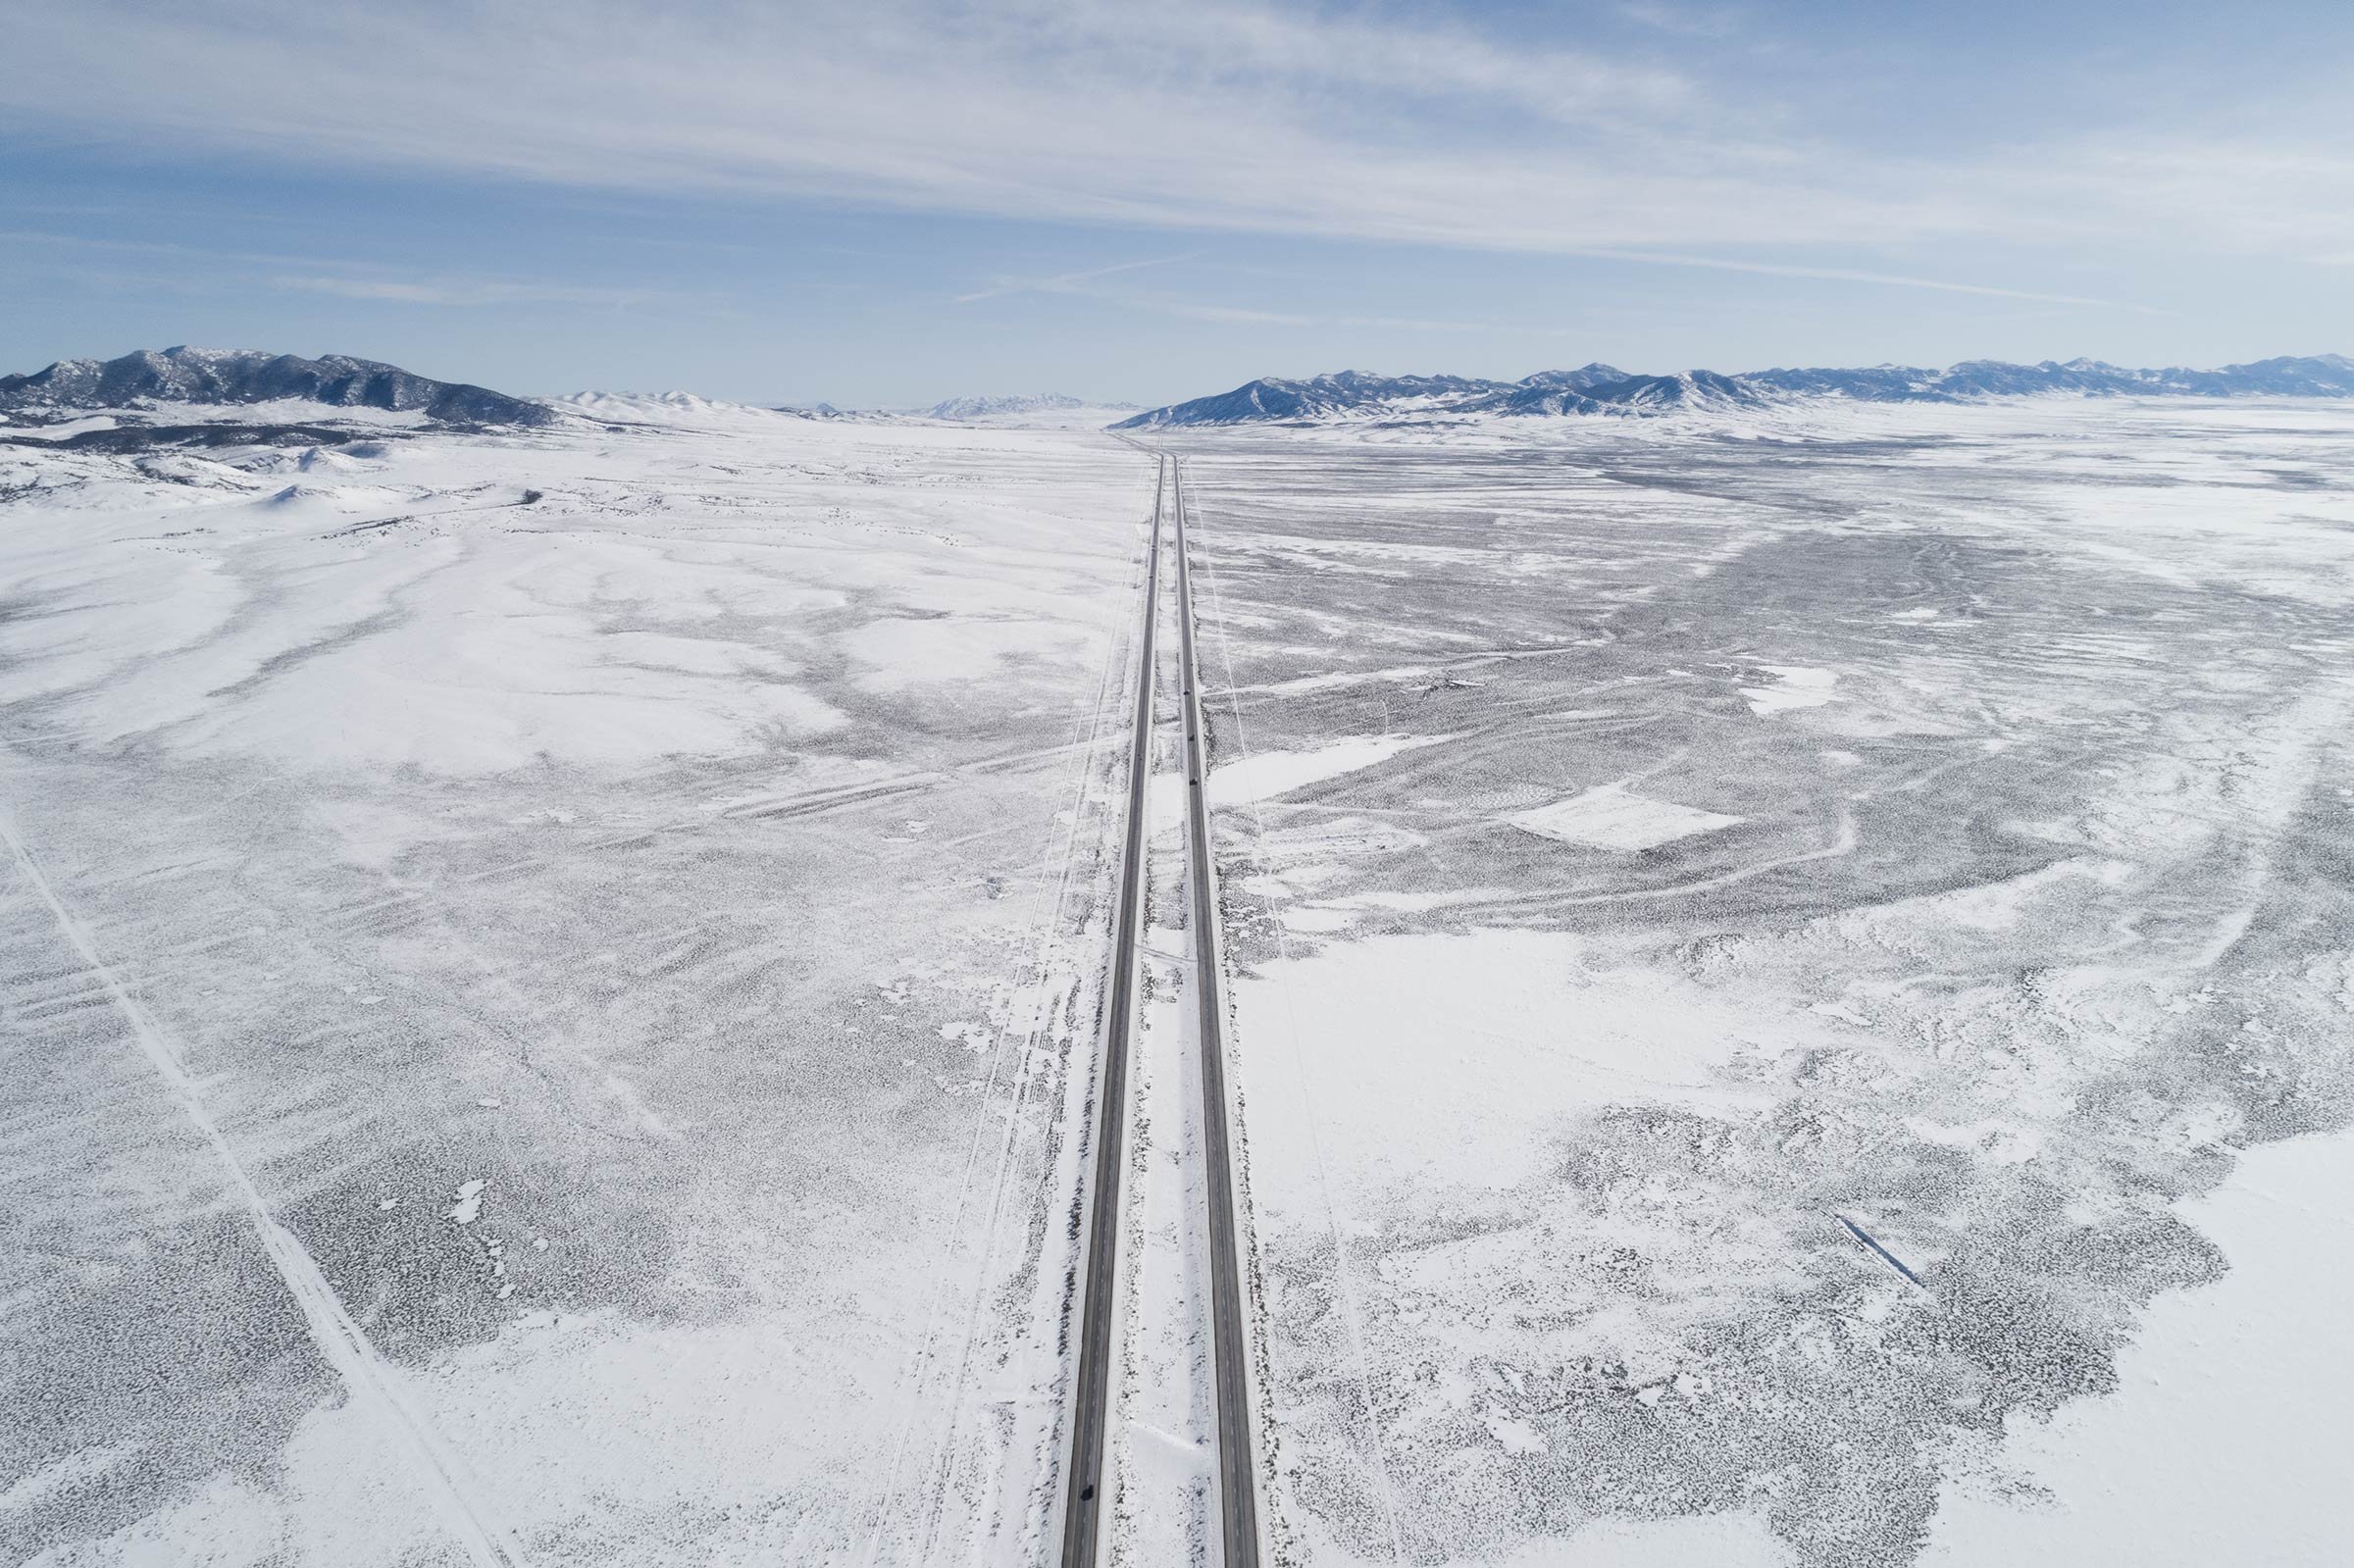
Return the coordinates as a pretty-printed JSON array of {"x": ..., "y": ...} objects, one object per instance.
[
  {"x": 1084, "y": 1491},
  {"x": 1238, "y": 1491},
  {"x": 1085, "y": 1485}
]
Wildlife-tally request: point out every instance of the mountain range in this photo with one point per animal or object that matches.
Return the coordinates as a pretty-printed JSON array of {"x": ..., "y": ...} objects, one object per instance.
[
  {"x": 973, "y": 408},
  {"x": 187, "y": 375},
  {"x": 201, "y": 375},
  {"x": 1352, "y": 396}
]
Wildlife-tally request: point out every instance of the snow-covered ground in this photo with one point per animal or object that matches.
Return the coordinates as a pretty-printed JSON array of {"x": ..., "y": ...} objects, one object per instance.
[
  {"x": 540, "y": 972},
  {"x": 1803, "y": 1067},
  {"x": 1796, "y": 985}
]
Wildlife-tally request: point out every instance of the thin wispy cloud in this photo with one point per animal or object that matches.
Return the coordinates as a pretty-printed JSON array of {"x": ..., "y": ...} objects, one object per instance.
[
  {"x": 1088, "y": 285},
  {"x": 1067, "y": 282},
  {"x": 1231, "y": 315},
  {"x": 1414, "y": 324},
  {"x": 1849, "y": 275},
  {"x": 457, "y": 292},
  {"x": 196, "y": 263},
  {"x": 1223, "y": 118},
  {"x": 1683, "y": 20}
]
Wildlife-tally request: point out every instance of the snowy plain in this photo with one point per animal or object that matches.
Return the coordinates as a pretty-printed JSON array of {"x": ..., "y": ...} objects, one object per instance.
[
  {"x": 1794, "y": 987},
  {"x": 1839, "y": 1052},
  {"x": 625, "y": 900}
]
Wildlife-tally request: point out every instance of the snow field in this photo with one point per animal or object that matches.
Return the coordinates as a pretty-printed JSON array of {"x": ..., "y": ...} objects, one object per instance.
[
  {"x": 1921, "y": 819},
  {"x": 629, "y": 901}
]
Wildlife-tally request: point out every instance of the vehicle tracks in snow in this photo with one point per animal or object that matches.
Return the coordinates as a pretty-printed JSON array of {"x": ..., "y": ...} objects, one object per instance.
[{"x": 457, "y": 1496}]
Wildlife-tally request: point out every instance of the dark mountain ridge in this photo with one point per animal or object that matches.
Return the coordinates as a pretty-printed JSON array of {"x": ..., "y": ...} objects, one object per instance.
[
  {"x": 187, "y": 375},
  {"x": 1605, "y": 390}
]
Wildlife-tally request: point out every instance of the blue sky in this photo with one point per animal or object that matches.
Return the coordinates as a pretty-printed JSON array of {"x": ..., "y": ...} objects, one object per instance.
[{"x": 896, "y": 201}]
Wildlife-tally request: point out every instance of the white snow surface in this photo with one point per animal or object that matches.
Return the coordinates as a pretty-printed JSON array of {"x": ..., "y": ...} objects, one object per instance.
[
  {"x": 1793, "y": 686},
  {"x": 2223, "y": 1438},
  {"x": 1032, "y": 409},
  {"x": 687, "y": 410},
  {"x": 629, "y": 903},
  {"x": 1611, "y": 817},
  {"x": 1267, "y": 775},
  {"x": 1972, "y": 873},
  {"x": 626, "y": 908}
]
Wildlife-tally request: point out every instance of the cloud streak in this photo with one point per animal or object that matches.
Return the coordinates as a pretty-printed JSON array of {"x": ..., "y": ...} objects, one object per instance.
[
  {"x": 199, "y": 268},
  {"x": 1087, "y": 284},
  {"x": 1225, "y": 118},
  {"x": 456, "y": 291},
  {"x": 1849, "y": 275},
  {"x": 1066, "y": 282}
]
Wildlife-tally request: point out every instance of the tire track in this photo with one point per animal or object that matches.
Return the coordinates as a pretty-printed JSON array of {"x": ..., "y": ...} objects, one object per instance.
[{"x": 456, "y": 1494}]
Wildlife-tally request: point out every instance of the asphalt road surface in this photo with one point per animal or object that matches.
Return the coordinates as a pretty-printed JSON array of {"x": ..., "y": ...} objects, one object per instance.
[
  {"x": 1238, "y": 1499},
  {"x": 1083, "y": 1496}
]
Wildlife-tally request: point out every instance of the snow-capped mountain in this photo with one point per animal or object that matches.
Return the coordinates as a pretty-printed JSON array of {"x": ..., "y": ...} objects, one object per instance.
[
  {"x": 968, "y": 408},
  {"x": 1352, "y": 396},
  {"x": 656, "y": 408},
  {"x": 1343, "y": 395},
  {"x": 216, "y": 376},
  {"x": 974, "y": 408}
]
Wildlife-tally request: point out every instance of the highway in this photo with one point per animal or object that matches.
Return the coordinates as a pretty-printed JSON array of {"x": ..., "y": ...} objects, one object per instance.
[
  {"x": 1084, "y": 1491},
  {"x": 1237, "y": 1468},
  {"x": 1087, "y": 1488}
]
